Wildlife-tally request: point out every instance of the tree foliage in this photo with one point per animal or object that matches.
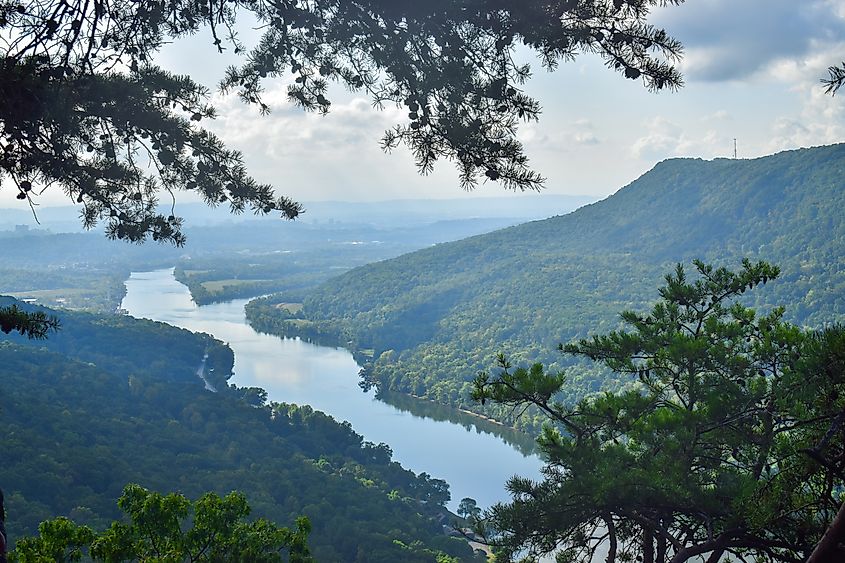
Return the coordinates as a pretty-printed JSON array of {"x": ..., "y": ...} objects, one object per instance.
[
  {"x": 35, "y": 325},
  {"x": 65, "y": 455},
  {"x": 835, "y": 79},
  {"x": 730, "y": 446},
  {"x": 436, "y": 317},
  {"x": 83, "y": 105},
  {"x": 170, "y": 528},
  {"x": 468, "y": 508}
]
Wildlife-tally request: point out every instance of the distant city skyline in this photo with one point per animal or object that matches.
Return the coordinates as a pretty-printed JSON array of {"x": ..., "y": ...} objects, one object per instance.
[{"x": 752, "y": 72}]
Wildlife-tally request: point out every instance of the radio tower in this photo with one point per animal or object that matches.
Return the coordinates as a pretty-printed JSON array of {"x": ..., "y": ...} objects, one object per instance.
[{"x": 734, "y": 148}]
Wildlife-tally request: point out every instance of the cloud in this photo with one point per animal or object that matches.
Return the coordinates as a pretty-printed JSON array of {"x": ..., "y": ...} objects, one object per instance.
[
  {"x": 719, "y": 115},
  {"x": 586, "y": 138},
  {"x": 664, "y": 139},
  {"x": 661, "y": 140},
  {"x": 733, "y": 40},
  {"x": 821, "y": 121},
  {"x": 351, "y": 125},
  {"x": 578, "y": 133},
  {"x": 309, "y": 156},
  {"x": 817, "y": 118}
]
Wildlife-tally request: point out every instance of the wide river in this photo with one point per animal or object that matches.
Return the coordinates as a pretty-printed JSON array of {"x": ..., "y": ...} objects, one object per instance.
[{"x": 475, "y": 463}]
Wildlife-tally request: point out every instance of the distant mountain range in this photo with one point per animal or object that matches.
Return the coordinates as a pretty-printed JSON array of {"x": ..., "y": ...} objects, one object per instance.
[
  {"x": 385, "y": 214},
  {"x": 433, "y": 318}
]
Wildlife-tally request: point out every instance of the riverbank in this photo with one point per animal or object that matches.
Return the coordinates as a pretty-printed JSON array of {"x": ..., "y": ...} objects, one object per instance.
[{"x": 476, "y": 463}]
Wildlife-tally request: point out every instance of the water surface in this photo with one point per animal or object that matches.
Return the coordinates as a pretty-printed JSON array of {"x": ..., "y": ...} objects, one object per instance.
[{"x": 476, "y": 464}]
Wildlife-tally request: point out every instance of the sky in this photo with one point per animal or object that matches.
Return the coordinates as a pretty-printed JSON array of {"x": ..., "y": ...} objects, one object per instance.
[{"x": 751, "y": 68}]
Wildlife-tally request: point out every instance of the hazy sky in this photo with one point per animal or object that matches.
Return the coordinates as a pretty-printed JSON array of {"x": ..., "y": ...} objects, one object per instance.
[{"x": 752, "y": 70}]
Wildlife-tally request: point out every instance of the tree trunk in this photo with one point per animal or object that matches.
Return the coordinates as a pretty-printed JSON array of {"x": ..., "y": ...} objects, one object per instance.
[
  {"x": 611, "y": 534},
  {"x": 830, "y": 548},
  {"x": 648, "y": 545},
  {"x": 661, "y": 543}
]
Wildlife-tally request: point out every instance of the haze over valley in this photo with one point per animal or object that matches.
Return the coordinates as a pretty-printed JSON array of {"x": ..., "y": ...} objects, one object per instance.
[{"x": 437, "y": 282}]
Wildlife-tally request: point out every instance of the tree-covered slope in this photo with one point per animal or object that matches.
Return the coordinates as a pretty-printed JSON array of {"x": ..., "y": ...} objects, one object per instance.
[
  {"x": 437, "y": 316},
  {"x": 110, "y": 400}
]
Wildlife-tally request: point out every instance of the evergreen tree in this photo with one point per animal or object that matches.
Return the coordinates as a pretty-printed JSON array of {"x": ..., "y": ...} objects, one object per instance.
[
  {"x": 170, "y": 528},
  {"x": 468, "y": 508},
  {"x": 83, "y": 106},
  {"x": 35, "y": 325},
  {"x": 728, "y": 443}
]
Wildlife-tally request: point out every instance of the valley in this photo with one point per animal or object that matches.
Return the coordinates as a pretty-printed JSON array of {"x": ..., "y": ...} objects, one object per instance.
[
  {"x": 454, "y": 281},
  {"x": 469, "y": 457},
  {"x": 427, "y": 322},
  {"x": 369, "y": 352}
]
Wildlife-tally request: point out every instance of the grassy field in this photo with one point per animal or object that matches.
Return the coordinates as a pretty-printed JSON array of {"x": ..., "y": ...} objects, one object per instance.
[
  {"x": 71, "y": 298},
  {"x": 216, "y": 286},
  {"x": 292, "y": 308}
]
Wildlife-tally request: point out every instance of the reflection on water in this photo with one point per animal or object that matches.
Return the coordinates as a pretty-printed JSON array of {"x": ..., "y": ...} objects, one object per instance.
[
  {"x": 475, "y": 463},
  {"x": 471, "y": 423}
]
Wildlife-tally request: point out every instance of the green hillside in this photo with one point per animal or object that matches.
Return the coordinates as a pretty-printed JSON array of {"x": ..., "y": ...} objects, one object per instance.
[
  {"x": 435, "y": 317},
  {"x": 111, "y": 400}
]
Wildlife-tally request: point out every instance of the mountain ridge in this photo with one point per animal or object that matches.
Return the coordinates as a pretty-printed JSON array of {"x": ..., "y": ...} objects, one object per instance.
[{"x": 435, "y": 317}]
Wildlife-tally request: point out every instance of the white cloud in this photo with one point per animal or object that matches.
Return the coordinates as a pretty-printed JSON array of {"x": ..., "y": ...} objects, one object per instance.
[
  {"x": 821, "y": 121},
  {"x": 666, "y": 139},
  {"x": 586, "y": 138},
  {"x": 571, "y": 136},
  {"x": 809, "y": 69},
  {"x": 337, "y": 156},
  {"x": 719, "y": 115},
  {"x": 661, "y": 139},
  {"x": 351, "y": 125}
]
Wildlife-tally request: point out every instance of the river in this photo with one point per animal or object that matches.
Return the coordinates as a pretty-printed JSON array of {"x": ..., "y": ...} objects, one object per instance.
[{"x": 475, "y": 463}]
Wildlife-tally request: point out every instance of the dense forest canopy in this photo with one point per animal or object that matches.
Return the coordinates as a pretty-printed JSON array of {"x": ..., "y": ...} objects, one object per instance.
[
  {"x": 171, "y": 527},
  {"x": 727, "y": 422},
  {"x": 438, "y": 316},
  {"x": 729, "y": 446},
  {"x": 111, "y": 400}
]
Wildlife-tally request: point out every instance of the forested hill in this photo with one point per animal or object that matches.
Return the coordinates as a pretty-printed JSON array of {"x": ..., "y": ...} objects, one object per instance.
[
  {"x": 437, "y": 316},
  {"x": 688, "y": 207},
  {"x": 111, "y": 400}
]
